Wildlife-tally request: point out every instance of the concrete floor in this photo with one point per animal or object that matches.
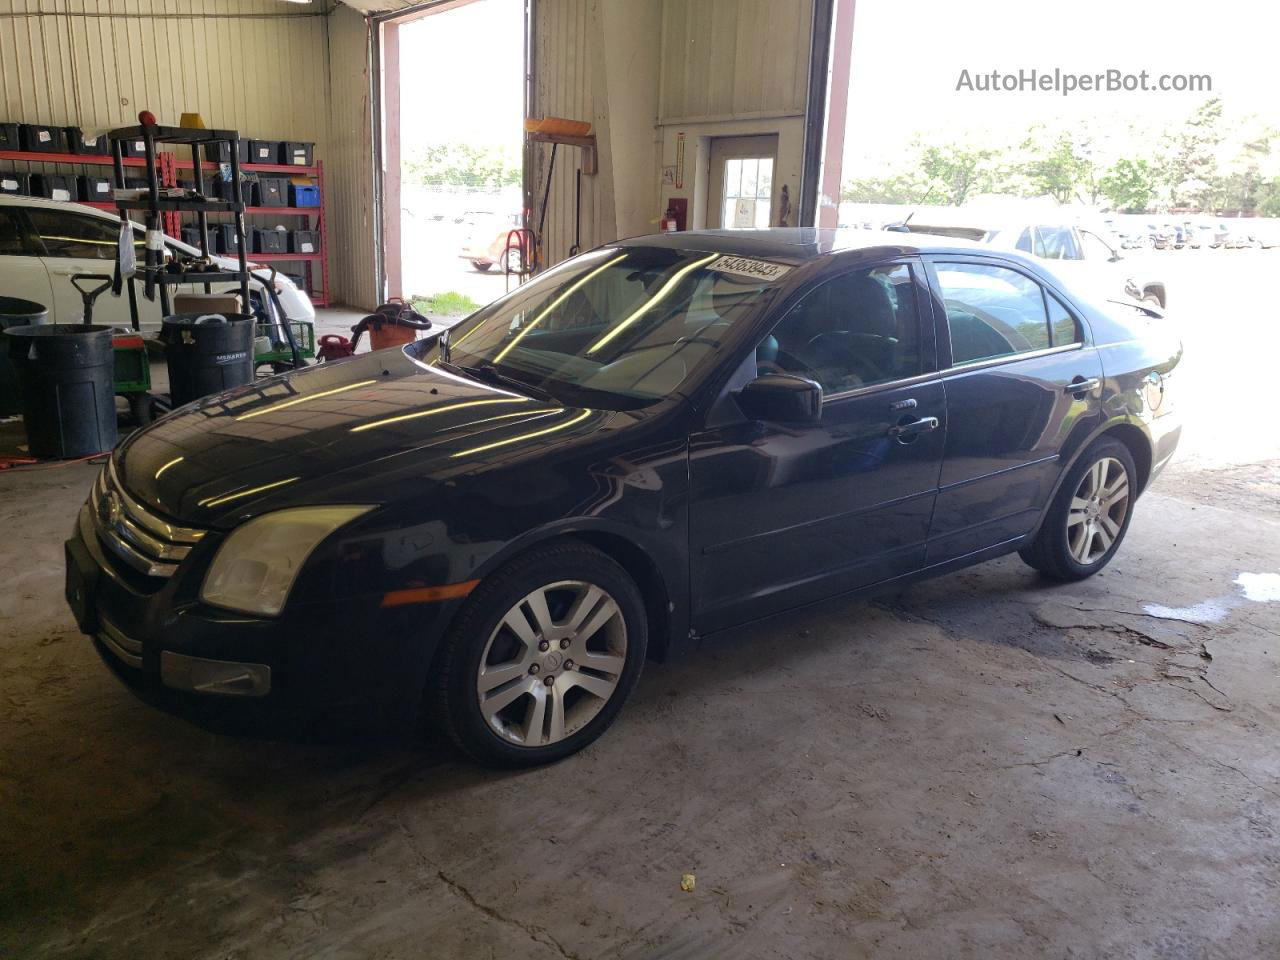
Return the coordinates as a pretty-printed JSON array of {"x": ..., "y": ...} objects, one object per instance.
[{"x": 983, "y": 766}]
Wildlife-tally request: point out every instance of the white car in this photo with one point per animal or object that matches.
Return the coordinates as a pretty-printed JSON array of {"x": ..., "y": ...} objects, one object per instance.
[
  {"x": 1078, "y": 253},
  {"x": 44, "y": 242}
]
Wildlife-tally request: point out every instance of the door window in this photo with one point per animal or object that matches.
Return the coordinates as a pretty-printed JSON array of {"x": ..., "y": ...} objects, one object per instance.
[
  {"x": 856, "y": 330},
  {"x": 748, "y": 187},
  {"x": 1062, "y": 324},
  {"x": 992, "y": 312},
  {"x": 1055, "y": 243},
  {"x": 73, "y": 235},
  {"x": 12, "y": 243}
]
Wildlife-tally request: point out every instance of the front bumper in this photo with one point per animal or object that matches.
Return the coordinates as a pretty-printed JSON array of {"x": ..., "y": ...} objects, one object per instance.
[{"x": 347, "y": 661}]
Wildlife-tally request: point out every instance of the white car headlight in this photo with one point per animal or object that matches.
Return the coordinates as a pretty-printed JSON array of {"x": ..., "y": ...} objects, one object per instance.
[{"x": 256, "y": 566}]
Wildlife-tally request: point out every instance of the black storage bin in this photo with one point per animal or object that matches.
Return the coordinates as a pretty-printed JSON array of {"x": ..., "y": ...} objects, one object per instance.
[
  {"x": 41, "y": 139},
  {"x": 264, "y": 151},
  {"x": 273, "y": 192},
  {"x": 297, "y": 154},
  {"x": 225, "y": 235},
  {"x": 218, "y": 152},
  {"x": 225, "y": 191},
  {"x": 207, "y": 353},
  {"x": 135, "y": 148},
  {"x": 9, "y": 139},
  {"x": 15, "y": 313},
  {"x": 78, "y": 143},
  {"x": 55, "y": 186},
  {"x": 68, "y": 398},
  {"x": 304, "y": 241},
  {"x": 270, "y": 241},
  {"x": 191, "y": 236},
  {"x": 13, "y": 182},
  {"x": 94, "y": 189}
]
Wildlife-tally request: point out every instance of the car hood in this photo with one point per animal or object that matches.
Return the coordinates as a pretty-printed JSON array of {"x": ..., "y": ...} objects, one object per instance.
[{"x": 374, "y": 429}]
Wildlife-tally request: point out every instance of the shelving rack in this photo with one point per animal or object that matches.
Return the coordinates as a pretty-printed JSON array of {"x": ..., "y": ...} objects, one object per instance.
[{"x": 168, "y": 164}]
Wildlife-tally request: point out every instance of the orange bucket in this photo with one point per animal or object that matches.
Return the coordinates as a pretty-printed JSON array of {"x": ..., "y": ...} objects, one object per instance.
[{"x": 384, "y": 335}]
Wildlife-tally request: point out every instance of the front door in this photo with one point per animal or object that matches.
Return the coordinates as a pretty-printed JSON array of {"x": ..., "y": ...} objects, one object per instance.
[
  {"x": 1021, "y": 381},
  {"x": 76, "y": 243},
  {"x": 785, "y": 514},
  {"x": 740, "y": 183}
]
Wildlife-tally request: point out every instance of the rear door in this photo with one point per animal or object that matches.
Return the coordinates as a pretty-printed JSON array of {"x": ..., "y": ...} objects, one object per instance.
[
  {"x": 1019, "y": 378},
  {"x": 785, "y": 514},
  {"x": 22, "y": 272}
]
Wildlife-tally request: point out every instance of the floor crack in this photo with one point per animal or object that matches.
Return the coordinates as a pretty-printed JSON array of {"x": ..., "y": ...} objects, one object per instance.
[{"x": 534, "y": 932}]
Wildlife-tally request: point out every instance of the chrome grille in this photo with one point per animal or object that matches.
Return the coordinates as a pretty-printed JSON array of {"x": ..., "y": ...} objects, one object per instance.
[{"x": 146, "y": 542}]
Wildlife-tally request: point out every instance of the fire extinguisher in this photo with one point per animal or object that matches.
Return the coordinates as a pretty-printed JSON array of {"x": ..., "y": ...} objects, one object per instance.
[{"x": 669, "y": 222}]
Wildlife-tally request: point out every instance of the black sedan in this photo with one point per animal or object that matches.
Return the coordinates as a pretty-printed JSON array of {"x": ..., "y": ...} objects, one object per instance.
[{"x": 659, "y": 440}]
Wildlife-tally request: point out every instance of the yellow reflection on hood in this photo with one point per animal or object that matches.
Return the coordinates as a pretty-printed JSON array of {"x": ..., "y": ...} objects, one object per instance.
[
  {"x": 524, "y": 436},
  {"x": 433, "y": 411},
  {"x": 172, "y": 463},
  {"x": 303, "y": 399},
  {"x": 239, "y": 494}
]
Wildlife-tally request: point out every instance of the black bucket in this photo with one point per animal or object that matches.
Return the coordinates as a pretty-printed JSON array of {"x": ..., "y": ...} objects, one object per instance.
[
  {"x": 207, "y": 353},
  {"x": 15, "y": 313},
  {"x": 68, "y": 398}
]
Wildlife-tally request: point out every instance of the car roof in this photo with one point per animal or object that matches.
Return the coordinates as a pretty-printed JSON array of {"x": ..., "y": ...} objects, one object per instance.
[{"x": 802, "y": 244}]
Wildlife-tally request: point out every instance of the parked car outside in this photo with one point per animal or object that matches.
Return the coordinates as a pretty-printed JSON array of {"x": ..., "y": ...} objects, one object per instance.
[
  {"x": 44, "y": 242},
  {"x": 493, "y": 239},
  {"x": 653, "y": 443},
  {"x": 1079, "y": 252}
]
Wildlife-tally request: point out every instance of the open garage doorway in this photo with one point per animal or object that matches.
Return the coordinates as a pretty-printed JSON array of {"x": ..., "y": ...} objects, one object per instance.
[{"x": 455, "y": 126}]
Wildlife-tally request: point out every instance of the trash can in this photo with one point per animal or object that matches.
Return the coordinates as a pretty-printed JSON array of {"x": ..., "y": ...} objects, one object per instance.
[
  {"x": 15, "y": 313},
  {"x": 207, "y": 353},
  {"x": 68, "y": 400}
]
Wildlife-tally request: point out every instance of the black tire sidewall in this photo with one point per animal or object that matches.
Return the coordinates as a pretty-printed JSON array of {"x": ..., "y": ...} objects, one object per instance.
[
  {"x": 485, "y": 608},
  {"x": 1055, "y": 523}
]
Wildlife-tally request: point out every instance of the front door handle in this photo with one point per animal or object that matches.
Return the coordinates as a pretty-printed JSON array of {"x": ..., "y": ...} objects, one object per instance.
[
  {"x": 1083, "y": 385},
  {"x": 905, "y": 432}
]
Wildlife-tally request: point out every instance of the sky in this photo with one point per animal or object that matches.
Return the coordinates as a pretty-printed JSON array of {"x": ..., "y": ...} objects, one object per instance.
[
  {"x": 462, "y": 70},
  {"x": 908, "y": 55}
]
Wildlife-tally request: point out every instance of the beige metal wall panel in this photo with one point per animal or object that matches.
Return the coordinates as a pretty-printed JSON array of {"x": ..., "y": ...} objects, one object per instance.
[
  {"x": 734, "y": 58},
  {"x": 570, "y": 83},
  {"x": 349, "y": 171}
]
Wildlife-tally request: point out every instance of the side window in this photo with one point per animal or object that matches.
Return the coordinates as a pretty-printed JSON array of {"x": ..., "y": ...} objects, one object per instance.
[
  {"x": 74, "y": 235},
  {"x": 1055, "y": 243},
  {"x": 1024, "y": 241},
  {"x": 1062, "y": 325},
  {"x": 855, "y": 330},
  {"x": 992, "y": 312},
  {"x": 11, "y": 240}
]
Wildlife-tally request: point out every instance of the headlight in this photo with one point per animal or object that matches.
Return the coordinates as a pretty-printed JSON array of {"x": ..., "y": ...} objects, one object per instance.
[{"x": 255, "y": 568}]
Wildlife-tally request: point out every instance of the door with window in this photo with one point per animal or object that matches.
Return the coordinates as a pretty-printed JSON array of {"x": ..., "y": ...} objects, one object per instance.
[
  {"x": 740, "y": 194},
  {"x": 1019, "y": 379},
  {"x": 74, "y": 243},
  {"x": 22, "y": 274},
  {"x": 784, "y": 514}
]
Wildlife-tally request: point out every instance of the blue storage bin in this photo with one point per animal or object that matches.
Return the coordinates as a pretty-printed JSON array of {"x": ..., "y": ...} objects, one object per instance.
[{"x": 304, "y": 195}]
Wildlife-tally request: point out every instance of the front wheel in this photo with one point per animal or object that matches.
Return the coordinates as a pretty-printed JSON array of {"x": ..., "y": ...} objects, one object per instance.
[
  {"x": 541, "y": 658},
  {"x": 1089, "y": 515}
]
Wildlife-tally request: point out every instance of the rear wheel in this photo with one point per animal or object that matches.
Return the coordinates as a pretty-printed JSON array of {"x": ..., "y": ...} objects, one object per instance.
[
  {"x": 1089, "y": 515},
  {"x": 542, "y": 657},
  {"x": 481, "y": 265}
]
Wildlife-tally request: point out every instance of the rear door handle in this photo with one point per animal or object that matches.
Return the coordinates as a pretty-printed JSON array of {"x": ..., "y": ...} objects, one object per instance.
[
  {"x": 1082, "y": 385},
  {"x": 901, "y": 430}
]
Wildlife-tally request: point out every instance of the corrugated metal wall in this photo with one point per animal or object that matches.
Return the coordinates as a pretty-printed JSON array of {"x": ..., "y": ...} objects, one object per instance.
[
  {"x": 349, "y": 172},
  {"x": 570, "y": 83},
  {"x": 739, "y": 58},
  {"x": 261, "y": 67}
]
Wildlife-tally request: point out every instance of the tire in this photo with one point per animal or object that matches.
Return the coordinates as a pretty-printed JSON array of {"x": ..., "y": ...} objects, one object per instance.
[
  {"x": 513, "y": 261},
  {"x": 1077, "y": 541},
  {"x": 481, "y": 265},
  {"x": 513, "y": 723}
]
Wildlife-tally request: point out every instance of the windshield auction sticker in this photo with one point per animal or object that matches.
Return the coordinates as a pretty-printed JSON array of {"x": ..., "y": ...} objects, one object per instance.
[{"x": 747, "y": 267}]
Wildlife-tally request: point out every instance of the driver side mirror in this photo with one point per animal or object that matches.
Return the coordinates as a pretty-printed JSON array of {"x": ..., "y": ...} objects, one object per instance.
[{"x": 782, "y": 398}]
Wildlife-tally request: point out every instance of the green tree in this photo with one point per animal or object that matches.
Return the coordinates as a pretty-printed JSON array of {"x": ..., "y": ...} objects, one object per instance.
[
  {"x": 1130, "y": 185},
  {"x": 894, "y": 188},
  {"x": 1192, "y": 168},
  {"x": 1054, "y": 165},
  {"x": 464, "y": 165},
  {"x": 954, "y": 172}
]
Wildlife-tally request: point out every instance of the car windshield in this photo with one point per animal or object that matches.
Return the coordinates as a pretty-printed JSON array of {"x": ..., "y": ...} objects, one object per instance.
[{"x": 618, "y": 327}]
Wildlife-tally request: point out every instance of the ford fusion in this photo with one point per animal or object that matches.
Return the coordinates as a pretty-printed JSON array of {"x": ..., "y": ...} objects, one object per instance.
[{"x": 653, "y": 442}]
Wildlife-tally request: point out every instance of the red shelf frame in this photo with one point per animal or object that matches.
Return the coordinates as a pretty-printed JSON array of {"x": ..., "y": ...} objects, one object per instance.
[{"x": 170, "y": 162}]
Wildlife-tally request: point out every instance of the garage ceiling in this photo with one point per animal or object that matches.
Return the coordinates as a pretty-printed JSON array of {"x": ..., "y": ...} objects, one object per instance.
[{"x": 379, "y": 6}]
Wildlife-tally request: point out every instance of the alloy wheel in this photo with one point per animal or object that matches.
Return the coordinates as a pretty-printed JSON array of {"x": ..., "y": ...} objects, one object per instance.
[
  {"x": 552, "y": 663},
  {"x": 1097, "y": 511}
]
